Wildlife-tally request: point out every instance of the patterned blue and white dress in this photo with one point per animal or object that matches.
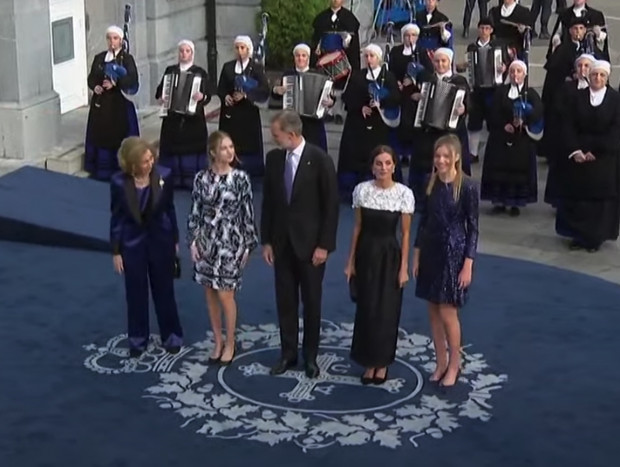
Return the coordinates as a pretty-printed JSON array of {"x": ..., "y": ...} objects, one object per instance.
[{"x": 221, "y": 223}]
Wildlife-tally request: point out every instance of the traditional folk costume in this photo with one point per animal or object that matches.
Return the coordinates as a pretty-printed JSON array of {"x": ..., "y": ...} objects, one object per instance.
[
  {"x": 362, "y": 134},
  {"x": 421, "y": 164},
  {"x": 183, "y": 138},
  {"x": 509, "y": 34},
  {"x": 509, "y": 172},
  {"x": 562, "y": 106},
  {"x": 241, "y": 120},
  {"x": 435, "y": 29},
  {"x": 313, "y": 128},
  {"x": 589, "y": 208},
  {"x": 112, "y": 117}
]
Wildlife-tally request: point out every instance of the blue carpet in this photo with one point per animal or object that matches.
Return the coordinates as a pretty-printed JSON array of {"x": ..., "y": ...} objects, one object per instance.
[{"x": 538, "y": 389}]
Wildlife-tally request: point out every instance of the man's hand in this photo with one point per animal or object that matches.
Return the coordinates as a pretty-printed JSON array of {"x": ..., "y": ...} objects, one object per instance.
[
  {"x": 319, "y": 256},
  {"x": 268, "y": 254}
]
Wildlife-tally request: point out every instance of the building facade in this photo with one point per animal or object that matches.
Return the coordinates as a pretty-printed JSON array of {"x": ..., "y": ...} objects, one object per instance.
[{"x": 47, "y": 47}]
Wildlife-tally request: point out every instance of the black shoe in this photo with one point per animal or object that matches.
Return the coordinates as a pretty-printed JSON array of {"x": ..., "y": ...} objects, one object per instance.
[
  {"x": 135, "y": 353},
  {"x": 282, "y": 367},
  {"x": 377, "y": 380},
  {"x": 366, "y": 380},
  {"x": 498, "y": 210},
  {"x": 465, "y": 33},
  {"x": 175, "y": 349},
  {"x": 214, "y": 360},
  {"x": 312, "y": 370},
  {"x": 514, "y": 211}
]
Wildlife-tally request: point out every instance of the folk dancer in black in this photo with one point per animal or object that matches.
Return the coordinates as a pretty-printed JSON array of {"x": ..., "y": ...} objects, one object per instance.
[
  {"x": 481, "y": 98},
  {"x": 366, "y": 125},
  {"x": 112, "y": 117},
  {"x": 594, "y": 21},
  {"x": 435, "y": 27},
  {"x": 422, "y": 161},
  {"x": 469, "y": 10},
  {"x": 562, "y": 106},
  {"x": 408, "y": 63},
  {"x": 242, "y": 84},
  {"x": 589, "y": 209},
  {"x": 509, "y": 177},
  {"x": 511, "y": 22},
  {"x": 336, "y": 19},
  {"x": 183, "y": 138},
  {"x": 560, "y": 67},
  {"x": 313, "y": 128}
]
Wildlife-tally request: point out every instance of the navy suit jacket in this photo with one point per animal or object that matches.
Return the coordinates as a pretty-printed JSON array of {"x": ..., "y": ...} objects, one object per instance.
[{"x": 155, "y": 223}]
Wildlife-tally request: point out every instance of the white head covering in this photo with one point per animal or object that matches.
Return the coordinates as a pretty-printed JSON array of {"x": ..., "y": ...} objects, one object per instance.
[
  {"x": 302, "y": 46},
  {"x": 374, "y": 49},
  {"x": 188, "y": 43},
  {"x": 115, "y": 30},
  {"x": 519, "y": 63},
  {"x": 445, "y": 51},
  {"x": 588, "y": 57},
  {"x": 247, "y": 41},
  {"x": 601, "y": 65},
  {"x": 411, "y": 27}
]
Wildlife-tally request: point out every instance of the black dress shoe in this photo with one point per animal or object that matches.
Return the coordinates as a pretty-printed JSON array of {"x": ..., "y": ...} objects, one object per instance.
[
  {"x": 312, "y": 370},
  {"x": 135, "y": 353},
  {"x": 282, "y": 366},
  {"x": 228, "y": 362},
  {"x": 175, "y": 349}
]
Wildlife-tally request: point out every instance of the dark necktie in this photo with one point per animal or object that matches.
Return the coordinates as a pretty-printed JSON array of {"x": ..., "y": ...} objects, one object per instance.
[{"x": 289, "y": 175}]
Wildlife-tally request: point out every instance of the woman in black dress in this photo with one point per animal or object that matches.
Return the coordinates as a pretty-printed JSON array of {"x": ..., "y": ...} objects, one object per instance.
[
  {"x": 378, "y": 264},
  {"x": 183, "y": 139},
  {"x": 314, "y": 128},
  {"x": 509, "y": 175},
  {"x": 112, "y": 117},
  {"x": 589, "y": 173},
  {"x": 444, "y": 253},
  {"x": 365, "y": 127},
  {"x": 242, "y": 84}
]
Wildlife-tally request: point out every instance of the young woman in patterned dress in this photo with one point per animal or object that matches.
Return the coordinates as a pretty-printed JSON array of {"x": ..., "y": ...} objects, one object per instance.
[{"x": 221, "y": 233}]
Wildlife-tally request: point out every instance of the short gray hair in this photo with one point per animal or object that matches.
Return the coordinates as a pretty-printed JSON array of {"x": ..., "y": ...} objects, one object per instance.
[{"x": 289, "y": 121}]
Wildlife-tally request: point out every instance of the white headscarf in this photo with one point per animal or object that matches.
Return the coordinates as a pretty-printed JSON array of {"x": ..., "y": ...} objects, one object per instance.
[
  {"x": 601, "y": 65},
  {"x": 515, "y": 90},
  {"x": 190, "y": 44},
  {"x": 115, "y": 30},
  {"x": 304, "y": 47},
  {"x": 411, "y": 27},
  {"x": 446, "y": 52},
  {"x": 247, "y": 41},
  {"x": 375, "y": 50}
]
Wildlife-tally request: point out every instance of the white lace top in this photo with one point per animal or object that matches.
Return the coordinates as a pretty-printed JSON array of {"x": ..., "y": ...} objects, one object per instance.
[{"x": 397, "y": 198}]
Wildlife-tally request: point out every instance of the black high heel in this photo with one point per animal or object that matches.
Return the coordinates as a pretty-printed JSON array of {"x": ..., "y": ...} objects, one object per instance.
[
  {"x": 228, "y": 362},
  {"x": 214, "y": 360},
  {"x": 366, "y": 380},
  {"x": 376, "y": 380}
]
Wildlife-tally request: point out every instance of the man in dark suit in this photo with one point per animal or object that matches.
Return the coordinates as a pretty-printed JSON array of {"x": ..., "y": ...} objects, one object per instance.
[{"x": 298, "y": 230}]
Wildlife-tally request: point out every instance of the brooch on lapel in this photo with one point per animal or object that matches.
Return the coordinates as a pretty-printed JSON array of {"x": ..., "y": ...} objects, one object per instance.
[{"x": 161, "y": 182}]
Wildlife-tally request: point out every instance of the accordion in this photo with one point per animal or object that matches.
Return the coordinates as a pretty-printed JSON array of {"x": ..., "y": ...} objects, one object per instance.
[
  {"x": 484, "y": 67},
  {"x": 178, "y": 93},
  {"x": 438, "y": 106},
  {"x": 305, "y": 93}
]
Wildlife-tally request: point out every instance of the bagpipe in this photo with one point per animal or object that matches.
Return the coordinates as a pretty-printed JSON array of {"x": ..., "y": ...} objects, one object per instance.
[
  {"x": 261, "y": 52},
  {"x": 378, "y": 92},
  {"x": 430, "y": 42},
  {"x": 115, "y": 70},
  {"x": 334, "y": 41},
  {"x": 389, "y": 43},
  {"x": 522, "y": 108},
  {"x": 250, "y": 87}
]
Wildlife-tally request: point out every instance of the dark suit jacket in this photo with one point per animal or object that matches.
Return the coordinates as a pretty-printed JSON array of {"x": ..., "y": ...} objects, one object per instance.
[
  {"x": 156, "y": 223},
  {"x": 311, "y": 218}
]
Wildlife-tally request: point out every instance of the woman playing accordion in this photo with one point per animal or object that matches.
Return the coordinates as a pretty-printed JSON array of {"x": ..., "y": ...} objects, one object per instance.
[
  {"x": 509, "y": 171},
  {"x": 242, "y": 84},
  {"x": 183, "y": 139},
  {"x": 313, "y": 127},
  {"x": 112, "y": 117},
  {"x": 372, "y": 101},
  {"x": 589, "y": 172}
]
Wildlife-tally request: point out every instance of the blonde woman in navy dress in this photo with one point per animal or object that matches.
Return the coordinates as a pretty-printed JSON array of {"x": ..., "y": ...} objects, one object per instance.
[
  {"x": 444, "y": 253},
  {"x": 221, "y": 234},
  {"x": 112, "y": 117},
  {"x": 183, "y": 139},
  {"x": 378, "y": 264}
]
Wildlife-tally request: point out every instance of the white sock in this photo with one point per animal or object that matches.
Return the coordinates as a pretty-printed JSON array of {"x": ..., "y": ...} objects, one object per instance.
[{"x": 474, "y": 142}]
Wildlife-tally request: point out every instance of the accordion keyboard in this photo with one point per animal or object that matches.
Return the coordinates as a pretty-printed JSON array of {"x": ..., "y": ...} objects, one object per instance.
[
  {"x": 193, "y": 103},
  {"x": 288, "y": 101},
  {"x": 166, "y": 95},
  {"x": 422, "y": 104}
]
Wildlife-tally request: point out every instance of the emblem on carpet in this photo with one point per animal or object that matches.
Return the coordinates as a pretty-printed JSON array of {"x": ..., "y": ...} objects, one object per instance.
[{"x": 242, "y": 401}]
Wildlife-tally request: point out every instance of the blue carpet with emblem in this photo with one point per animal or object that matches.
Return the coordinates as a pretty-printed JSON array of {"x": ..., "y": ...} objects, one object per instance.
[{"x": 539, "y": 385}]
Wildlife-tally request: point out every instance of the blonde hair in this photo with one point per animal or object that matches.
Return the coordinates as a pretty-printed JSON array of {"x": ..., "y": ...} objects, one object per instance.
[
  {"x": 213, "y": 144},
  {"x": 131, "y": 151},
  {"x": 453, "y": 143}
]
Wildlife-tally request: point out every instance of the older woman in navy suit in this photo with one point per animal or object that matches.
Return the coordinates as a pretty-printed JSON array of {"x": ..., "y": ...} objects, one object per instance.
[{"x": 144, "y": 236}]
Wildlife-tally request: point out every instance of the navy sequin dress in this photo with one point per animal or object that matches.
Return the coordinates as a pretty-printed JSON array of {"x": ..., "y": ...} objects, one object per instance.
[{"x": 447, "y": 234}]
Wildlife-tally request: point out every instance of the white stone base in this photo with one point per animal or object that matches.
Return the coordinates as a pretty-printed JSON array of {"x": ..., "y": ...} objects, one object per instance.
[{"x": 30, "y": 130}]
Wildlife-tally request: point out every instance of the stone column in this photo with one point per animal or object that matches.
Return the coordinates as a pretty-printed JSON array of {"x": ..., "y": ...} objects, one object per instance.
[
  {"x": 234, "y": 17},
  {"x": 29, "y": 107},
  {"x": 364, "y": 11}
]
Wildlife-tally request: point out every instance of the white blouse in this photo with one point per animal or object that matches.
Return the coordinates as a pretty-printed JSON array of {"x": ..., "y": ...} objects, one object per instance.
[{"x": 397, "y": 198}]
